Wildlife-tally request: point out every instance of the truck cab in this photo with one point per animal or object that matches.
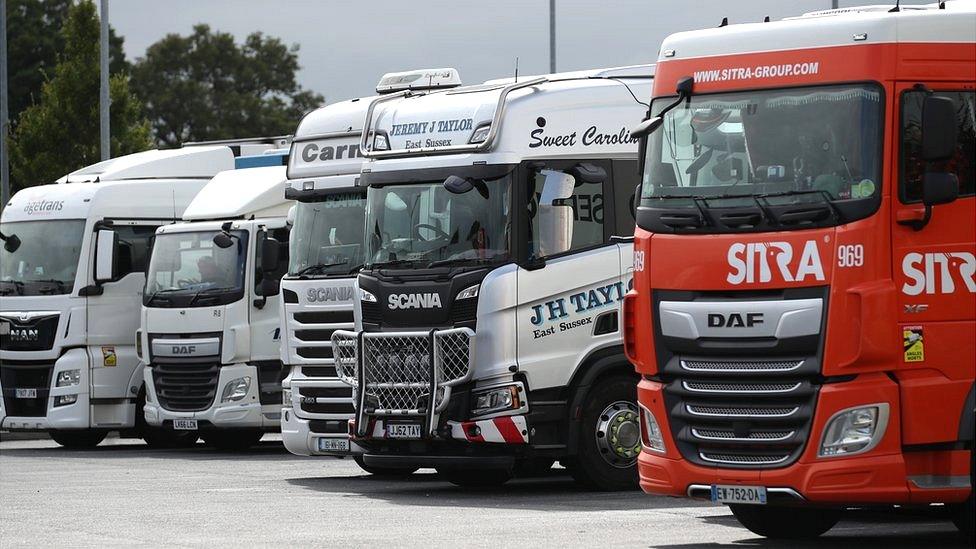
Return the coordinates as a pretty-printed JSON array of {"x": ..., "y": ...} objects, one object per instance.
[
  {"x": 804, "y": 296},
  {"x": 209, "y": 332},
  {"x": 72, "y": 267},
  {"x": 487, "y": 336}
]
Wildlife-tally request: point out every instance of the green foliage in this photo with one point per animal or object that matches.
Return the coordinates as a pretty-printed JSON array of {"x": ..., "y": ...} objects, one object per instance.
[
  {"x": 60, "y": 133},
  {"x": 204, "y": 86},
  {"x": 34, "y": 40}
]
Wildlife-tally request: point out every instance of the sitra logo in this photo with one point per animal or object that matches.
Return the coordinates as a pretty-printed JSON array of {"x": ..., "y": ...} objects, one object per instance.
[
  {"x": 938, "y": 272},
  {"x": 415, "y": 301},
  {"x": 759, "y": 261}
]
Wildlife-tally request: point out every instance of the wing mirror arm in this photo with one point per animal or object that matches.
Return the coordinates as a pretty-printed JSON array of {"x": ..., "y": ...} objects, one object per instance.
[{"x": 650, "y": 124}]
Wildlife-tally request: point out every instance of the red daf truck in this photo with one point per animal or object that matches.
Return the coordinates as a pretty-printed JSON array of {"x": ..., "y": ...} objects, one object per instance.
[{"x": 804, "y": 306}]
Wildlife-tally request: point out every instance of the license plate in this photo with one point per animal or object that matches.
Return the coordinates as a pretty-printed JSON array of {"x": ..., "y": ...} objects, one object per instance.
[
  {"x": 333, "y": 445},
  {"x": 25, "y": 393},
  {"x": 185, "y": 424},
  {"x": 754, "y": 495},
  {"x": 402, "y": 430}
]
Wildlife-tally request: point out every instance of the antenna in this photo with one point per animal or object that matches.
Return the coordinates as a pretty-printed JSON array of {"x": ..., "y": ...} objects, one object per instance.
[
  {"x": 724, "y": 23},
  {"x": 516, "y": 69},
  {"x": 174, "y": 205},
  {"x": 897, "y": 7}
]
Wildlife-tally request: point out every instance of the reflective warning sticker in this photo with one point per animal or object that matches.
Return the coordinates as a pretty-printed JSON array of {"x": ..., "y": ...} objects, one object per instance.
[
  {"x": 108, "y": 356},
  {"x": 914, "y": 343}
]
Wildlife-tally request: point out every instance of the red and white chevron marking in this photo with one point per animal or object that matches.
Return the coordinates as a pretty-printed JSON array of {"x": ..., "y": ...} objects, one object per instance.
[{"x": 499, "y": 430}]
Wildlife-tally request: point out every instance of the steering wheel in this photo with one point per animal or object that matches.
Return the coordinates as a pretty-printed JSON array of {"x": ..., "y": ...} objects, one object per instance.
[{"x": 437, "y": 230}]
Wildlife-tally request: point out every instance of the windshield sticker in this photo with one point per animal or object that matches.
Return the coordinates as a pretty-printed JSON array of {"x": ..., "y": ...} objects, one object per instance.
[
  {"x": 584, "y": 302},
  {"x": 758, "y": 72},
  {"x": 591, "y": 136},
  {"x": 913, "y": 344},
  {"x": 758, "y": 261},
  {"x": 926, "y": 272}
]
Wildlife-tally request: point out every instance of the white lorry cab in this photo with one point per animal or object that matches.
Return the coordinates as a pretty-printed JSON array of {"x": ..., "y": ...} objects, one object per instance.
[
  {"x": 72, "y": 270},
  {"x": 209, "y": 333},
  {"x": 499, "y": 227}
]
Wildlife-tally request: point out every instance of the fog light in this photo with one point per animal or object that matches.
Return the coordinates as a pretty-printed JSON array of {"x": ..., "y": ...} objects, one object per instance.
[
  {"x": 236, "y": 389},
  {"x": 286, "y": 397},
  {"x": 64, "y": 400},
  {"x": 854, "y": 430},
  {"x": 497, "y": 399},
  {"x": 651, "y": 436},
  {"x": 68, "y": 378}
]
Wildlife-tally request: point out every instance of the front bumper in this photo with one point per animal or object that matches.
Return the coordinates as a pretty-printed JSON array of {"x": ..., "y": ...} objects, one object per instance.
[
  {"x": 301, "y": 439},
  {"x": 247, "y": 413},
  {"x": 878, "y": 476},
  {"x": 65, "y": 417}
]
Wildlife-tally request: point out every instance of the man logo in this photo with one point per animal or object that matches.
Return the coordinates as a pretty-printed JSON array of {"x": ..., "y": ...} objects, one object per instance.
[
  {"x": 734, "y": 320},
  {"x": 24, "y": 334}
]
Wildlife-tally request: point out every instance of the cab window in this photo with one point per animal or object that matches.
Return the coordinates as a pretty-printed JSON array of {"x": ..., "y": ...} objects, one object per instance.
[{"x": 963, "y": 162}]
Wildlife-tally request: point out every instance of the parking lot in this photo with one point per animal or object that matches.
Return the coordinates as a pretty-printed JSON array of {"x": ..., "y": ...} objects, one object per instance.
[{"x": 123, "y": 494}]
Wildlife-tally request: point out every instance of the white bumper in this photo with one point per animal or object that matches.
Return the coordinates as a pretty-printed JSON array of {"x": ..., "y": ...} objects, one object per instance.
[
  {"x": 299, "y": 439},
  {"x": 245, "y": 413},
  {"x": 69, "y": 416}
]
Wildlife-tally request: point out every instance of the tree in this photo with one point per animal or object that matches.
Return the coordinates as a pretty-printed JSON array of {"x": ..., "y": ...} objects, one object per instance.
[
  {"x": 59, "y": 134},
  {"x": 34, "y": 40},
  {"x": 204, "y": 86}
]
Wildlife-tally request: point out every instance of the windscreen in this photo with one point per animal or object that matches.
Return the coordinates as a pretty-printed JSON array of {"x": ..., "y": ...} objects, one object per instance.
[
  {"x": 464, "y": 221},
  {"x": 327, "y": 237},
  {"x": 46, "y": 260},
  {"x": 190, "y": 269}
]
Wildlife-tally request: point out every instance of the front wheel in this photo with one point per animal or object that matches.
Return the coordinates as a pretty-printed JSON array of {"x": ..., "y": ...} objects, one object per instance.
[
  {"x": 384, "y": 471},
  {"x": 610, "y": 436},
  {"x": 233, "y": 439},
  {"x": 786, "y": 522},
  {"x": 78, "y": 440},
  {"x": 476, "y": 478}
]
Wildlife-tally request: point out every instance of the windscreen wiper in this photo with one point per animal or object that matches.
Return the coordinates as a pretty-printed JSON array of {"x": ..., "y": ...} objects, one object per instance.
[
  {"x": 395, "y": 263},
  {"x": 318, "y": 267},
  {"x": 153, "y": 295},
  {"x": 461, "y": 261},
  {"x": 798, "y": 216},
  {"x": 59, "y": 284},
  {"x": 18, "y": 287},
  {"x": 208, "y": 291}
]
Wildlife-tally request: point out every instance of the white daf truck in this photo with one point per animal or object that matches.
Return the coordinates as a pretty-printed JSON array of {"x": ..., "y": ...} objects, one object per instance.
[
  {"x": 209, "y": 333},
  {"x": 326, "y": 252},
  {"x": 71, "y": 275},
  {"x": 498, "y": 249}
]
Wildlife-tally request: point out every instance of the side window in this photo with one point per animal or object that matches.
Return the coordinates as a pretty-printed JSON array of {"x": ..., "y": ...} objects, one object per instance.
[
  {"x": 963, "y": 164},
  {"x": 625, "y": 179},
  {"x": 569, "y": 224},
  {"x": 281, "y": 235},
  {"x": 132, "y": 255}
]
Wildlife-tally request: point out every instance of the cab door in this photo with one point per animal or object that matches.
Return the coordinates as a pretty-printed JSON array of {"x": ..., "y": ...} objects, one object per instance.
[
  {"x": 934, "y": 266},
  {"x": 264, "y": 319}
]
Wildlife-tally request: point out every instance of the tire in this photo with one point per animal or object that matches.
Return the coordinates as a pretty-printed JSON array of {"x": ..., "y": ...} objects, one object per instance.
[
  {"x": 476, "y": 478},
  {"x": 533, "y": 467},
  {"x": 79, "y": 440},
  {"x": 964, "y": 514},
  {"x": 786, "y": 522},
  {"x": 233, "y": 439},
  {"x": 158, "y": 438},
  {"x": 601, "y": 463},
  {"x": 384, "y": 471}
]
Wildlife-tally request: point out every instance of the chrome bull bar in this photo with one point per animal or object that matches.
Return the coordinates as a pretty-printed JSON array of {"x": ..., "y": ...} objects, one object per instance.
[{"x": 403, "y": 374}]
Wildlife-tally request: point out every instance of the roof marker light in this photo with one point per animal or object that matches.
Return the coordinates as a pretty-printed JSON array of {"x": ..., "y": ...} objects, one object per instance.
[
  {"x": 423, "y": 79},
  {"x": 668, "y": 53},
  {"x": 860, "y": 37}
]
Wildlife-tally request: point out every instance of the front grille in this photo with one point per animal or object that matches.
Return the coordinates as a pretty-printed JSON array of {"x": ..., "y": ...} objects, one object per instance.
[
  {"x": 729, "y": 435},
  {"x": 740, "y": 365},
  {"x": 185, "y": 385},
  {"x": 371, "y": 312},
  {"x": 745, "y": 459},
  {"x": 315, "y": 328},
  {"x": 721, "y": 387},
  {"x": 25, "y": 375},
  {"x": 740, "y": 411},
  {"x": 319, "y": 371},
  {"x": 464, "y": 311},
  {"x": 326, "y": 400},
  {"x": 32, "y": 334}
]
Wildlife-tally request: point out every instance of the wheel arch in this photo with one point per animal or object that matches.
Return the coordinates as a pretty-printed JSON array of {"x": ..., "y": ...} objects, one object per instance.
[{"x": 598, "y": 365}]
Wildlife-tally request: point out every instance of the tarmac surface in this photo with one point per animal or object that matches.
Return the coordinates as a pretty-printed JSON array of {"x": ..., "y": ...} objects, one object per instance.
[{"x": 123, "y": 494}]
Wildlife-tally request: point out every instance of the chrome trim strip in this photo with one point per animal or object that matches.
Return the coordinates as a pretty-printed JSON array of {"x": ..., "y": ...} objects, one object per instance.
[
  {"x": 739, "y": 391},
  {"x": 733, "y": 462},
  {"x": 696, "y": 434},
  {"x": 692, "y": 488},
  {"x": 705, "y": 414},
  {"x": 684, "y": 366}
]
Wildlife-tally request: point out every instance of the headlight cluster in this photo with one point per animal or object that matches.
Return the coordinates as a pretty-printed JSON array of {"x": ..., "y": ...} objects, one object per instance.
[
  {"x": 468, "y": 293},
  {"x": 236, "y": 389},
  {"x": 67, "y": 378},
  {"x": 497, "y": 399},
  {"x": 366, "y": 296},
  {"x": 854, "y": 430},
  {"x": 651, "y": 435}
]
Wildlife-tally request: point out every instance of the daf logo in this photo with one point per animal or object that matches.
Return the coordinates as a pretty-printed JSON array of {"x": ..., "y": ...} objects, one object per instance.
[
  {"x": 415, "y": 301},
  {"x": 24, "y": 334},
  {"x": 184, "y": 349},
  {"x": 329, "y": 294},
  {"x": 734, "y": 320}
]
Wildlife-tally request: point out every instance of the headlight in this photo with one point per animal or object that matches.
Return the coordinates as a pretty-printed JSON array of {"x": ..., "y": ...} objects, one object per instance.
[
  {"x": 366, "y": 296},
  {"x": 64, "y": 400},
  {"x": 854, "y": 430},
  {"x": 480, "y": 134},
  {"x": 68, "y": 378},
  {"x": 236, "y": 389},
  {"x": 651, "y": 435},
  {"x": 497, "y": 399},
  {"x": 468, "y": 293},
  {"x": 286, "y": 397}
]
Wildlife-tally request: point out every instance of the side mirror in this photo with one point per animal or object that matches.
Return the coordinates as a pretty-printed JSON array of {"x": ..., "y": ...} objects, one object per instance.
[
  {"x": 555, "y": 229},
  {"x": 939, "y": 188},
  {"x": 10, "y": 242},
  {"x": 647, "y": 127},
  {"x": 635, "y": 201},
  {"x": 939, "y": 129},
  {"x": 106, "y": 241},
  {"x": 269, "y": 254},
  {"x": 268, "y": 287},
  {"x": 223, "y": 240},
  {"x": 557, "y": 186}
]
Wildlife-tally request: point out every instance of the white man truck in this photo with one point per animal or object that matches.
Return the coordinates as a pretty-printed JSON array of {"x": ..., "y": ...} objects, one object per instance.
[
  {"x": 498, "y": 250},
  {"x": 209, "y": 333},
  {"x": 326, "y": 252},
  {"x": 71, "y": 272}
]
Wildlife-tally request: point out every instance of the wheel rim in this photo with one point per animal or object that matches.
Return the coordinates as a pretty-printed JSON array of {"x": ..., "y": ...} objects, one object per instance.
[{"x": 618, "y": 434}]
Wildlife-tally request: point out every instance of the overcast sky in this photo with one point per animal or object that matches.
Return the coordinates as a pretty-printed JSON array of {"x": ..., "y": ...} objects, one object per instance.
[{"x": 346, "y": 46}]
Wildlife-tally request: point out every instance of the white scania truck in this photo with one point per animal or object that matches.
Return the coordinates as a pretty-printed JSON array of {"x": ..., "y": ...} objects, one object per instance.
[
  {"x": 326, "y": 252},
  {"x": 71, "y": 275},
  {"x": 209, "y": 333},
  {"x": 498, "y": 249}
]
